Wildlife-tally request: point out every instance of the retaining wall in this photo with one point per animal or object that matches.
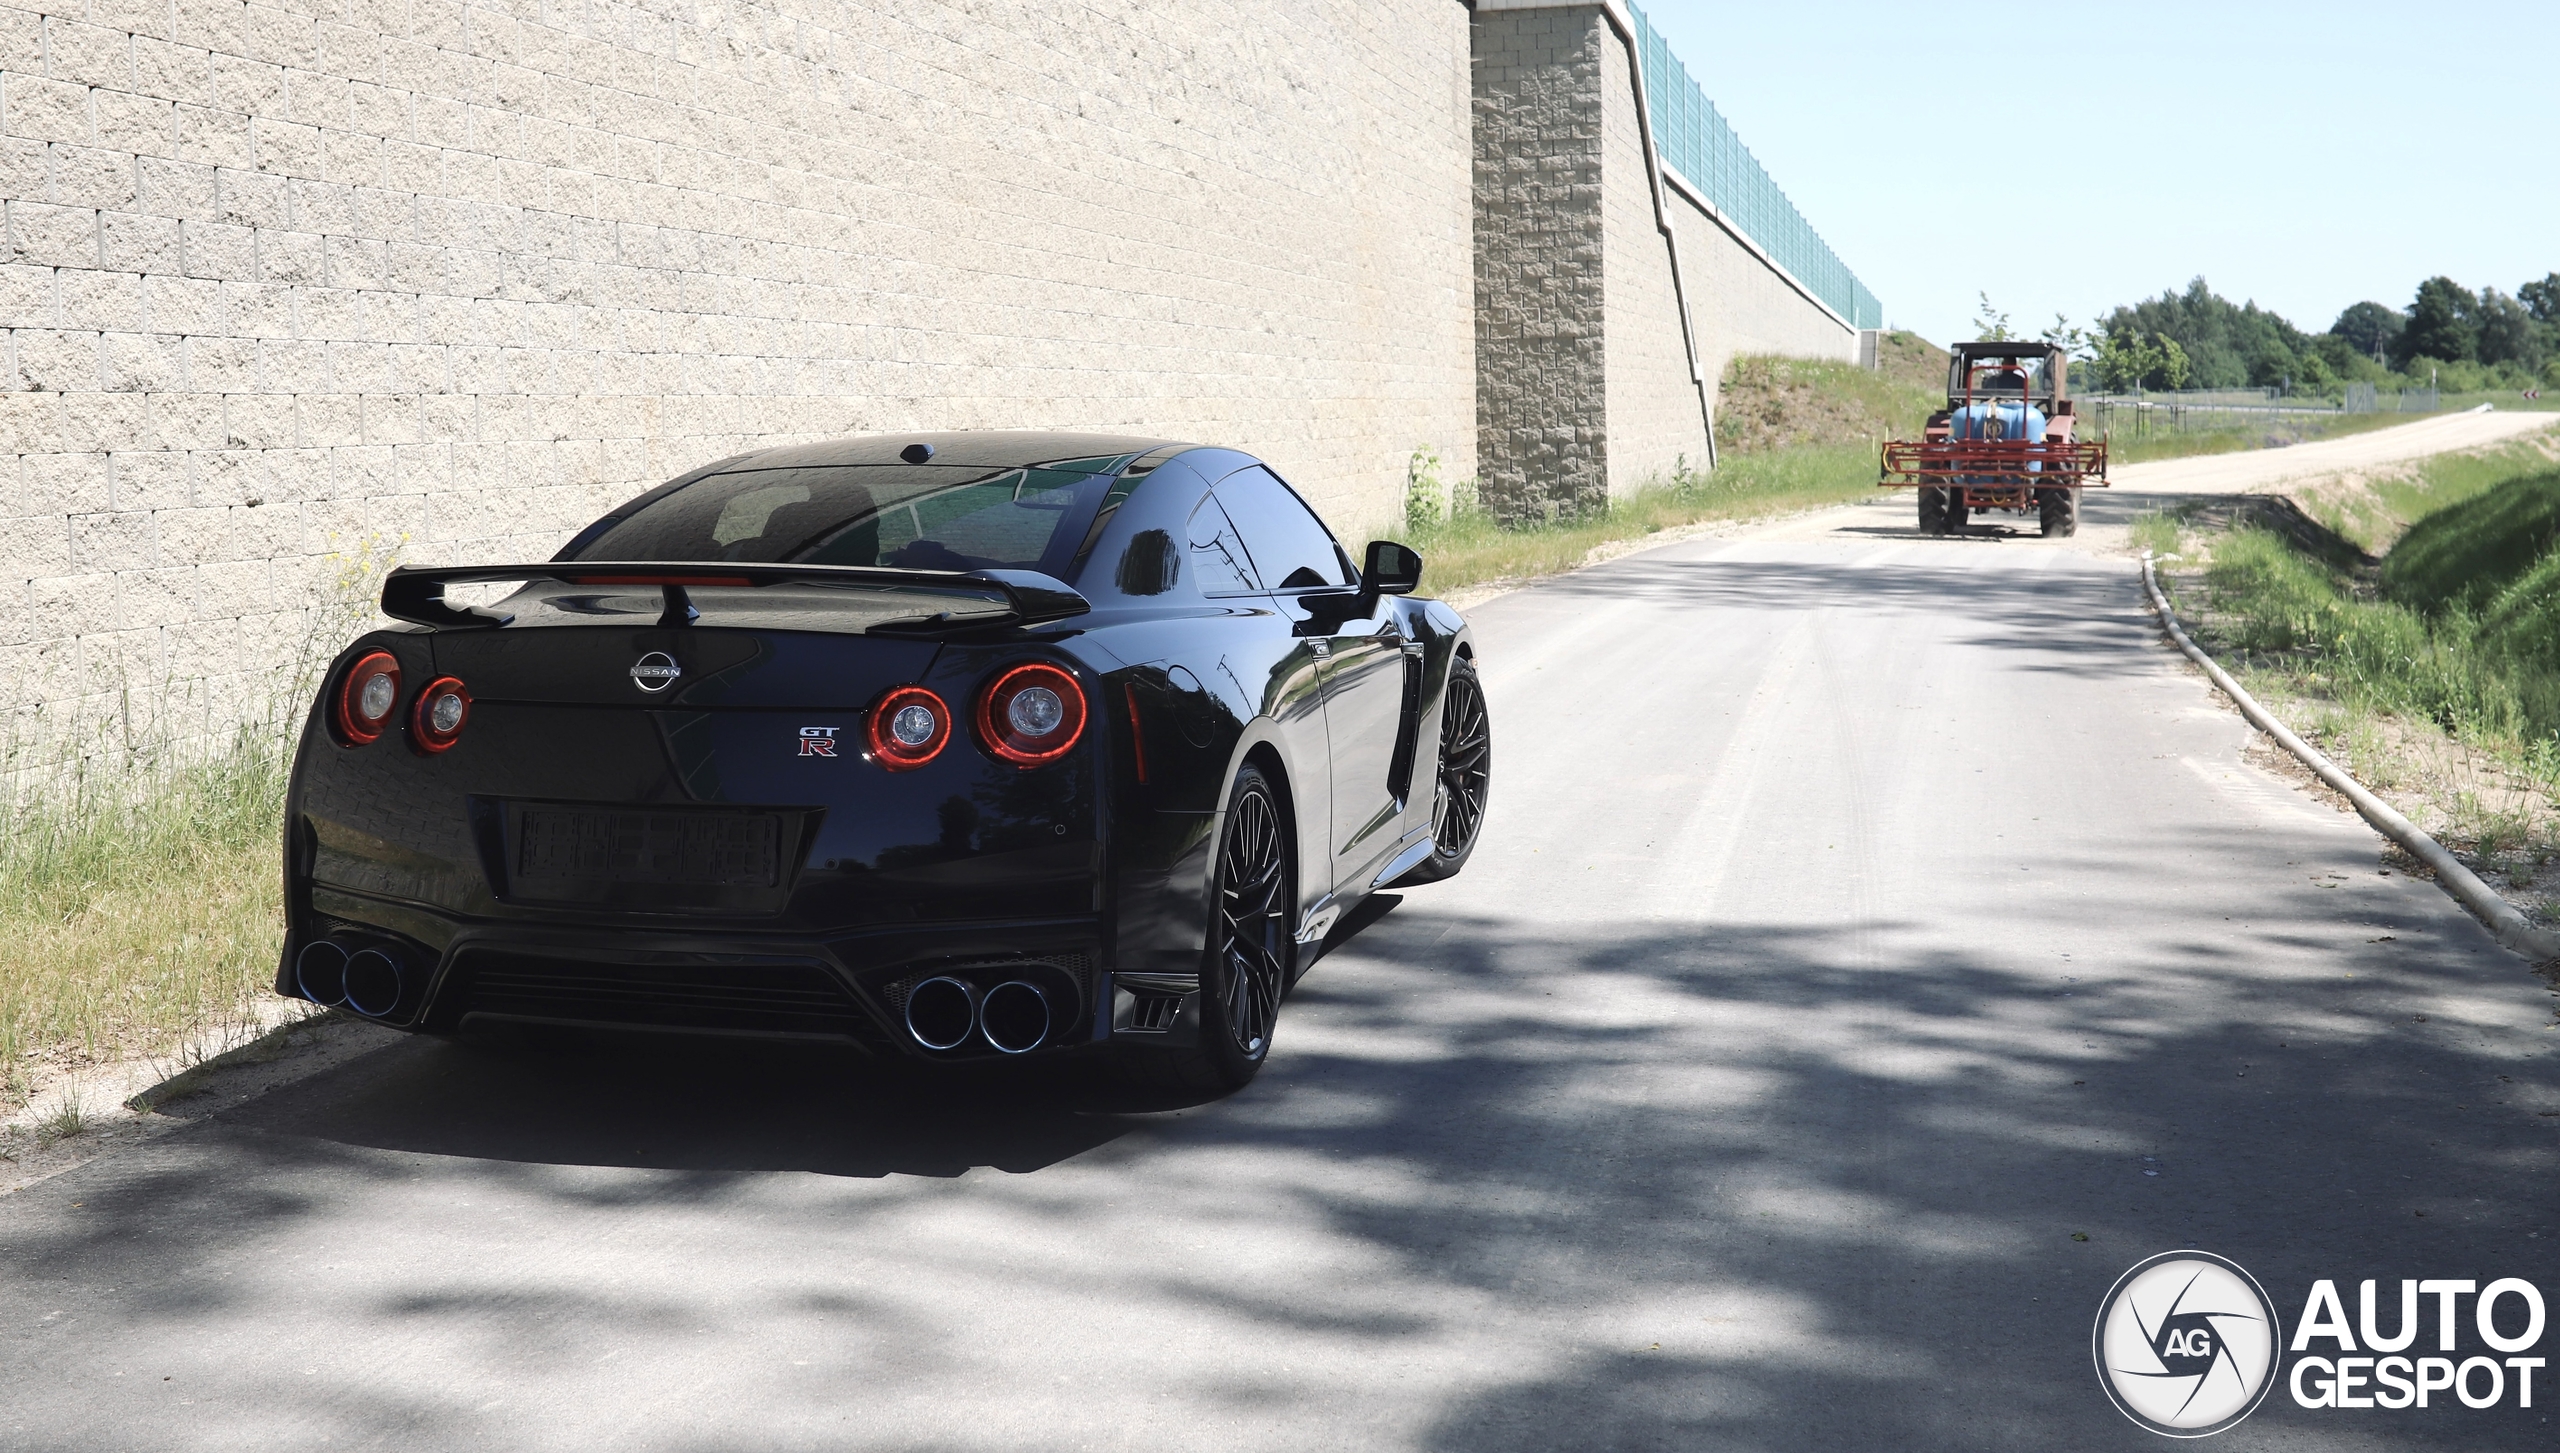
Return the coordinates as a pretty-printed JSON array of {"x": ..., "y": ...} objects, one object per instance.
[
  {"x": 452, "y": 278},
  {"x": 288, "y": 292}
]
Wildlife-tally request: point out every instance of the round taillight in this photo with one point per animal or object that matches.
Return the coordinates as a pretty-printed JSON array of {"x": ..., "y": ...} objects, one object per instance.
[
  {"x": 367, "y": 696},
  {"x": 436, "y": 722},
  {"x": 1031, "y": 714},
  {"x": 908, "y": 728}
]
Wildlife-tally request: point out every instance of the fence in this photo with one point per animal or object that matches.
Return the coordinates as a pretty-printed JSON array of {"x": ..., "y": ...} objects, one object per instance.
[{"x": 1695, "y": 141}]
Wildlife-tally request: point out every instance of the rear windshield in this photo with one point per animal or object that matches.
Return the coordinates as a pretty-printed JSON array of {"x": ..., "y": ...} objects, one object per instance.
[
  {"x": 1997, "y": 375},
  {"x": 916, "y": 516}
]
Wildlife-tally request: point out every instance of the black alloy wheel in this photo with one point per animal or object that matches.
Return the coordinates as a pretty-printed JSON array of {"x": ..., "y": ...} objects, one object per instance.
[
  {"x": 1247, "y": 961},
  {"x": 1249, "y": 942},
  {"x": 1465, "y": 777}
]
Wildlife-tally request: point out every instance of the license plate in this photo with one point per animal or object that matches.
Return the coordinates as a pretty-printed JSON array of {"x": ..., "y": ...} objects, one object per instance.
[{"x": 564, "y": 846}]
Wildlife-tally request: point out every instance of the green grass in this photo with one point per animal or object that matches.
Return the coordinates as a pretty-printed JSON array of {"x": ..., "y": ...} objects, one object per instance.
[
  {"x": 2155, "y": 531},
  {"x": 140, "y": 903},
  {"x": 2459, "y": 627},
  {"x": 1472, "y": 549},
  {"x": 2485, "y": 526},
  {"x": 140, "y": 869}
]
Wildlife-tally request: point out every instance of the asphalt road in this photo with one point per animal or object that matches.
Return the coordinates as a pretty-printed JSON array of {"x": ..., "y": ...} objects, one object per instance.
[{"x": 1859, "y": 918}]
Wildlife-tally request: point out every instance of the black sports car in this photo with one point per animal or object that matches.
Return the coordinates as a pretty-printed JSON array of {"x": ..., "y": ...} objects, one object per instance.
[{"x": 952, "y": 745}]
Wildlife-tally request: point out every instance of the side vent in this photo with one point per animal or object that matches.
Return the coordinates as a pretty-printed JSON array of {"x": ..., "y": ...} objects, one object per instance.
[
  {"x": 1153, "y": 1013},
  {"x": 1408, "y": 726},
  {"x": 1150, "y": 1003}
]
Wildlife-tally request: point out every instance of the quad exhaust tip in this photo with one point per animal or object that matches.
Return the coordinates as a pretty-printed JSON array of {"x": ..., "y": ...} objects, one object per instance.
[
  {"x": 367, "y": 980},
  {"x": 943, "y": 1013},
  {"x": 1015, "y": 1017}
]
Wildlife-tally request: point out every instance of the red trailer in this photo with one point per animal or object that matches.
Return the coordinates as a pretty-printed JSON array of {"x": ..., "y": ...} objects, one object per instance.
[{"x": 2003, "y": 442}]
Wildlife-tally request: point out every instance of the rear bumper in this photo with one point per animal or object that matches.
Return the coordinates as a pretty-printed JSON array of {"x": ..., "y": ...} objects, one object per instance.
[{"x": 849, "y": 989}]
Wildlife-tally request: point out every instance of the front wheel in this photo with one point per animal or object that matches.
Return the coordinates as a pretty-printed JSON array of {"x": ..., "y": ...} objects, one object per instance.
[{"x": 1464, "y": 779}]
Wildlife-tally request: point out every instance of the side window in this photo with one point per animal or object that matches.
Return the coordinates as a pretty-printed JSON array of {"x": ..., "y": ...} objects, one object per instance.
[
  {"x": 1218, "y": 560},
  {"x": 1290, "y": 547}
]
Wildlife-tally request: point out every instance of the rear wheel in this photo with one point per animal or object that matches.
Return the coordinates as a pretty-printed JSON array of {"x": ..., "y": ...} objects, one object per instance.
[
  {"x": 1933, "y": 510},
  {"x": 1464, "y": 778},
  {"x": 1246, "y": 963},
  {"x": 2058, "y": 512}
]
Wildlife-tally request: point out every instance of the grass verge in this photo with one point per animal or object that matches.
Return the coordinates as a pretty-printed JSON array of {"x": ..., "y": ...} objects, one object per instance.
[
  {"x": 139, "y": 911},
  {"x": 2431, "y": 673},
  {"x": 1471, "y": 550}
]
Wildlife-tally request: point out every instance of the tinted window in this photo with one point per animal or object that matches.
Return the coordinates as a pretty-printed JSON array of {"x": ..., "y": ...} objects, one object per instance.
[
  {"x": 919, "y": 516},
  {"x": 1291, "y": 548},
  {"x": 1218, "y": 563}
]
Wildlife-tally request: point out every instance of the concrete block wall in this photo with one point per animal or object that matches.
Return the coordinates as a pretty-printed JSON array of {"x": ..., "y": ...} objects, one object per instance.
[
  {"x": 1577, "y": 404},
  {"x": 1739, "y": 302},
  {"x": 1657, "y": 415},
  {"x": 284, "y": 282},
  {"x": 1541, "y": 262}
]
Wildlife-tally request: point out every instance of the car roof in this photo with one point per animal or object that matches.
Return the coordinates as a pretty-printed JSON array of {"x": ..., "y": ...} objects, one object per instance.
[
  {"x": 964, "y": 448},
  {"x": 2010, "y": 349}
]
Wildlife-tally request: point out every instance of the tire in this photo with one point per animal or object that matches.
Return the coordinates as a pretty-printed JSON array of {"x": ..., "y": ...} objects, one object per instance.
[
  {"x": 1957, "y": 510},
  {"x": 1462, "y": 780},
  {"x": 1933, "y": 510},
  {"x": 1247, "y": 962},
  {"x": 2058, "y": 512}
]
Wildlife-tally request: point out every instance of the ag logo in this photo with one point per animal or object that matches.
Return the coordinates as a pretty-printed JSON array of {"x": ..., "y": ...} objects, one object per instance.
[{"x": 2186, "y": 1344}]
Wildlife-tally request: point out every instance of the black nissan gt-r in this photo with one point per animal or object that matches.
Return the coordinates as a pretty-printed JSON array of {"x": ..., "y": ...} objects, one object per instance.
[{"x": 980, "y": 744}]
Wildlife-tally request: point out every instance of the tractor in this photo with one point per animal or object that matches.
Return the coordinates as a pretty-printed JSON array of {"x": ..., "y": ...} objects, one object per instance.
[{"x": 2003, "y": 442}]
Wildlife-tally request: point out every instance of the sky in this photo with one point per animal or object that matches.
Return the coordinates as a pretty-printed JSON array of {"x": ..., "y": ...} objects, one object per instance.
[{"x": 2071, "y": 158}]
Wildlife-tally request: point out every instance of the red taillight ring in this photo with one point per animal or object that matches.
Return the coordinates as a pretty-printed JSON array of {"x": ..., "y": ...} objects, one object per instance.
[
  {"x": 1009, "y": 736},
  {"x": 893, "y": 751},
  {"x": 441, "y": 712},
  {"x": 355, "y": 724}
]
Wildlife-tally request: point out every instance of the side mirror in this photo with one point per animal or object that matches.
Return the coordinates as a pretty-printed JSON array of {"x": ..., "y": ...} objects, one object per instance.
[{"x": 1390, "y": 569}]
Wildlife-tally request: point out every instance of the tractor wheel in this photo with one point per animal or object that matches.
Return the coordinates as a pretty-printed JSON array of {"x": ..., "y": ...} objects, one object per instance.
[
  {"x": 2058, "y": 512},
  {"x": 1933, "y": 510},
  {"x": 1957, "y": 511}
]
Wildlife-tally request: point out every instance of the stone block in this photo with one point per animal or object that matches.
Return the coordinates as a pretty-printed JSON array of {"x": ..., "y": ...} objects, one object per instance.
[
  {"x": 57, "y": 362},
  {"x": 131, "y": 242},
  {"x": 28, "y": 297},
  {"x": 168, "y": 188},
  {"x": 122, "y": 540},
  {"x": 53, "y": 236}
]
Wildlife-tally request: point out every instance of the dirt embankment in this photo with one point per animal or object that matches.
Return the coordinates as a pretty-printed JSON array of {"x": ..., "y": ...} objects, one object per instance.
[{"x": 1767, "y": 402}]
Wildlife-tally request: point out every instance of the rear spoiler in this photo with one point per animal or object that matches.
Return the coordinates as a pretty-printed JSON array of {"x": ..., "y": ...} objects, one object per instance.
[{"x": 417, "y": 594}]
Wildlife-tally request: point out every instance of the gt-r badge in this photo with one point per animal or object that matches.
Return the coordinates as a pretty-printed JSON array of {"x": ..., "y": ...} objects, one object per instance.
[
  {"x": 817, "y": 741},
  {"x": 655, "y": 672}
]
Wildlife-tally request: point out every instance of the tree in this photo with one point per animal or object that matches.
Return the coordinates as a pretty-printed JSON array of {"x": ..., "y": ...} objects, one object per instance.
[
  {"x": 2506, "y": 332},
  {"x": 2226, "y": 344},
  {"x": 2074, "y": 341},
  {"x": 2441, "y": 324},
  {"x": 2173, "y": 362},
  {"x": 2542, "y": 299},
  {"x": 2371, "y": 329},
  {"x": 2127, "y": 360},
  {"x": 1992, "y": 323}
]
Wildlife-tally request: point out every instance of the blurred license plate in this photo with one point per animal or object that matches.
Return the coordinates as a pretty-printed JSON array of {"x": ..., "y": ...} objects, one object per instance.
[{"x": 558, "y": 847}]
